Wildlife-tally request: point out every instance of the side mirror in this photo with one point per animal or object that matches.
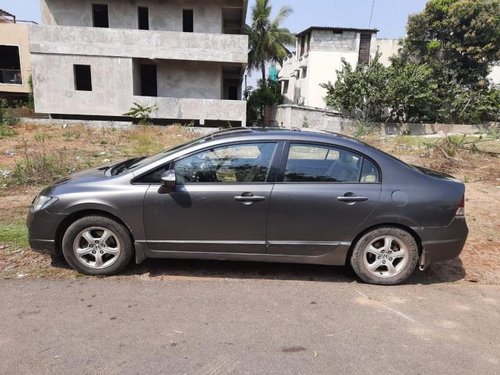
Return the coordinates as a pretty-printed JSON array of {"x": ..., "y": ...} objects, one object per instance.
[{"x": 169, "y": 179}]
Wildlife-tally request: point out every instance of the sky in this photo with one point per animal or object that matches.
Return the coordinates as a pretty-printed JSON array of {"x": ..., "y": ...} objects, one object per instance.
[{"x": 389, "y": 16}]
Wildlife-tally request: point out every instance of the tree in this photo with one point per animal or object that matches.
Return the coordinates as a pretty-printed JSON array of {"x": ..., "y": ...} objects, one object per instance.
[
  {"x": 267, "y": 38},
  {"x": 268, "y": 93},
  {"x": 411, "y": 92},
  {"x": 402, "y": 92},
  {"x": 459, "y": 39},
  {"x": 440, "y": 74},
  {"x": 359, "y": 92}
]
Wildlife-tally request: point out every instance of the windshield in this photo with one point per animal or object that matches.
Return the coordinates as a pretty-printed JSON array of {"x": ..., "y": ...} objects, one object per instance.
[{"x": 143, "y": 161}]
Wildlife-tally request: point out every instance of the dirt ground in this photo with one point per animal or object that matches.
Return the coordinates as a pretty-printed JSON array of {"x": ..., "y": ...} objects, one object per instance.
[{"x": 78, "y": 147}]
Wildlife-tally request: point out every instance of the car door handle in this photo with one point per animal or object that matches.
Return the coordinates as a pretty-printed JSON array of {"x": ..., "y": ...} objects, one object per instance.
[
  {"x": 351, "y": 198},
  {"x": 249, "y": 198}
]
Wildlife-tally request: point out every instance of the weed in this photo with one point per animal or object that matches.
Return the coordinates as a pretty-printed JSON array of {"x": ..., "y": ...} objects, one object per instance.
[
  {"x": 305, "y": 122},
  {"x": 71, "y": 135},
  {"x": 362, "y": 129},
  {"x": 141, "y": 113},
  {"x": 494, "y": 132},
  {"x": 6, "y": 131},
  {"x": 7, "y": 115},
  {"x": 146, "y": 141},
  {"x": 42, "y": 136},
  {"x": 40, "y": 169},
  {"x": 429, "y": 144}
]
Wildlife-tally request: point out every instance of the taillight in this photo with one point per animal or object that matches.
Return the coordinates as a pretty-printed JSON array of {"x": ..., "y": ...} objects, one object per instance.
[{"x": 461, "y": 208}]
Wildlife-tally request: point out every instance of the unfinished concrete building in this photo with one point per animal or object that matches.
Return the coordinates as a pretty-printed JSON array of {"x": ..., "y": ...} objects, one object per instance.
[{"x": 96, "y": 58}]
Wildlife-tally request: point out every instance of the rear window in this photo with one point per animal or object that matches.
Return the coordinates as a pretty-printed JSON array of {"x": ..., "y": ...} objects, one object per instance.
[{"x": 320, "y": 163}]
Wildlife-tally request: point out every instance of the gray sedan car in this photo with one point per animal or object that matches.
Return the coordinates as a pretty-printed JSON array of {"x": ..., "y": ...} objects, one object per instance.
[{"x": 290, "y": 196}]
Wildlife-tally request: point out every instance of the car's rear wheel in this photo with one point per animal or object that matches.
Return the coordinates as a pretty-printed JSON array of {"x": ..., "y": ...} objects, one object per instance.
[
  {"x": 385, "y": 256},
  {"x": 97, "y": 245}
]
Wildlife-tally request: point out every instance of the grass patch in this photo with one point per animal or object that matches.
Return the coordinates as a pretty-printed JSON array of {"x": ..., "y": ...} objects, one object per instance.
[
  {"x": 6, "y": 131},
  {"x": 15, "y": 234},
  {"x": 41, "y": 169},
  {"x": 145, "y": 141}
]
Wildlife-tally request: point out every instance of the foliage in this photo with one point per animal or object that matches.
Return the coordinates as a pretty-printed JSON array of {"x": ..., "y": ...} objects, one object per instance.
[
  {"x": 408, "y": 92},
  {"x": 362, "y": 129},
  {"x": 7, "y": 120},
  {"x": 359, "y": 92},
  {"x": 458, "y": 38},
  {"x": 141, "y": 113},
  {"x": 267, "y": 37},
  {"x": 305, "y": 122},
  {"x": 31, "y": 101},
  {"x": 40, "y": 167},
  {"x": 268, "y": 93},
  {"x": 145, "y": 140}
]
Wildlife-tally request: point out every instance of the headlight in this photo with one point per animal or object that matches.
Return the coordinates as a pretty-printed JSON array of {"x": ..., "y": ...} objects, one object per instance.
[{"x": 41, "y": 202}]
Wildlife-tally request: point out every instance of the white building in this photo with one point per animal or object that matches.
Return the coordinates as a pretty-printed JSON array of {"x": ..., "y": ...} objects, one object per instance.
[
  {"x": 318, "y": 57},
  {"x": 97, "y": 58},
  {"x": 319, "y": 54}
]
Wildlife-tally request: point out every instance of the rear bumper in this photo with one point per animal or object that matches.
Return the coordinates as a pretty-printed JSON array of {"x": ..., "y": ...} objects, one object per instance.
[{"x": 443, "y": 243}]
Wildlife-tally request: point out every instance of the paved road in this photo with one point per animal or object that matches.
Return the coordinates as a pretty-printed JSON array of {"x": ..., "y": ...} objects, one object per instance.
[{"x": 197, "y": 325}]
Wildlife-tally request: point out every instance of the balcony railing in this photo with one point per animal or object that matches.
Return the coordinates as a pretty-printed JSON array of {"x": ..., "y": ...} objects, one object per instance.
[{"x": 11, "y": 76}]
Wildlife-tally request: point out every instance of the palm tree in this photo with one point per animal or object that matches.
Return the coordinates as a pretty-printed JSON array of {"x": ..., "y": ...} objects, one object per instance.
[{"x": 267, "y": 38}]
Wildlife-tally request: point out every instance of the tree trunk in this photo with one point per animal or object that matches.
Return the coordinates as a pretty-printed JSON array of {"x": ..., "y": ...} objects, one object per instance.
[{"x": 264, "y": 83}]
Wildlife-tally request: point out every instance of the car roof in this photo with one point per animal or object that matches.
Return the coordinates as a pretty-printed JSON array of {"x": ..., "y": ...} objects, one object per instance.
[{"x": 282, "y": 133}]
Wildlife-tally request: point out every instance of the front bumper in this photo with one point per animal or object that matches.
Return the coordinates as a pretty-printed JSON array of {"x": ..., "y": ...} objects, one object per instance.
[
  {"x": 42, "y": 230},
  {"x": 443, "y": 243}
]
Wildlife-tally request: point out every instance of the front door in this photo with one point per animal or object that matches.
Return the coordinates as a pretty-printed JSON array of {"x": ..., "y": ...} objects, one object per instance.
[
  {"x": 219, "y": 205},
  {"x": 325, "y": 194}
]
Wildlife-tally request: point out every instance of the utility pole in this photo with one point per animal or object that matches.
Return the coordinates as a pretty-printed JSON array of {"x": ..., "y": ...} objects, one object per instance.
[{"x": 371, "y": 14}]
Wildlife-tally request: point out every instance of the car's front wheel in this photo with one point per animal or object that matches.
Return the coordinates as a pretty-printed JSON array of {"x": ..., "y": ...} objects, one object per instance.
[
  {"x": 385, "y": 256},
  {"x": 97, "y": 245}
]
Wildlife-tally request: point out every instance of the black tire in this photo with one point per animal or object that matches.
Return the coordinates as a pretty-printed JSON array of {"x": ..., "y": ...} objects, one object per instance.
[
  {"x": 120, "y": 238},
  {"x": 364, "y": 256}
]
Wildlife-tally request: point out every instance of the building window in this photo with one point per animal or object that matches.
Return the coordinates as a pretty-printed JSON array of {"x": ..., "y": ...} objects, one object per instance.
[
  {"x": 100, "y": 15},
  {"x": 233, "y": 93},
  {"x": 302, "y": 45},
  {"x": 308, "y": 43},
  {"x": 10, "y": 65},
  {"x": 285, "y": 86},
  {"x": 364, "y": 48},
  {"x": 143, "y": 20},
  {"x": 83, "y": 77},
  {"x": 304, "y": 72},
  {"x": 187, "y": 20},
  {"x": 149, "y": 85}
]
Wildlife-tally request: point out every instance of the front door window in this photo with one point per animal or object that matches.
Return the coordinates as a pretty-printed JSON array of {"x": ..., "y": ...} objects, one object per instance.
[{"x": 237, "y": 163}]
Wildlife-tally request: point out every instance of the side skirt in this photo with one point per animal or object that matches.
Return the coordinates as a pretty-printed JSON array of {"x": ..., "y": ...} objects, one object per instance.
[{"x": 338, "y": 257}]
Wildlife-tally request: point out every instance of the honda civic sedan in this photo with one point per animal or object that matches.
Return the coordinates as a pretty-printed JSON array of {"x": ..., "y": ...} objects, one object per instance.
[{"x": 291, "y": 196}]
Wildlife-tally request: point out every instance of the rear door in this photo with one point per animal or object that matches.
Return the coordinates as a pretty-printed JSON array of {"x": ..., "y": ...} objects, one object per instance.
[{"x": 323, "y": 194}]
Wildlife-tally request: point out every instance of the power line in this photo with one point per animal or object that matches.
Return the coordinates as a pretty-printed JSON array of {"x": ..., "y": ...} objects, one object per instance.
[{"x": 371, "y": 14}]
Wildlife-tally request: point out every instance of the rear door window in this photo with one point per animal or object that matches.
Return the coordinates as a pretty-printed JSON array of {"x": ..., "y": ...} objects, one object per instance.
[{"x": 321, "y": 163}]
